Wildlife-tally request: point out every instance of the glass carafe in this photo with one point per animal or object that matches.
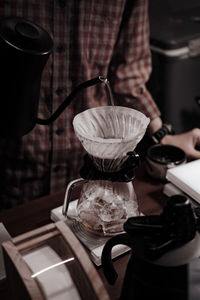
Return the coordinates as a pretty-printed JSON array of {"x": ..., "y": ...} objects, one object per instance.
[{"x": 109, "y": 134}]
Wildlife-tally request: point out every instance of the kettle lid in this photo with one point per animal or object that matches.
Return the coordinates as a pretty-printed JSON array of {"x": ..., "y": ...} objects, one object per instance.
[{"x": 25, "y": 36}]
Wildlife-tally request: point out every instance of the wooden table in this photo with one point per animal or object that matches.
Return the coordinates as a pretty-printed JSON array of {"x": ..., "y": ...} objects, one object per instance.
[{"x": 36, "y": 213}]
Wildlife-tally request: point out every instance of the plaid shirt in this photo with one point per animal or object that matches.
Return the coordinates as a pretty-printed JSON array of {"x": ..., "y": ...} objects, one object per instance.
[{"x": 91, "y": 38}]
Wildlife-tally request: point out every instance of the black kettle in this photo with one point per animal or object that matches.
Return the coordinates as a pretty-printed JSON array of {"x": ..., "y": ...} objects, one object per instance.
[
  {"x": 165, "y": 260},
  {"x": 24, "y": 51}
]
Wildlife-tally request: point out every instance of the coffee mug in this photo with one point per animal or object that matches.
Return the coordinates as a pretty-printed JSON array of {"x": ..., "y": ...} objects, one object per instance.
[{"x": 160, "y": 158}]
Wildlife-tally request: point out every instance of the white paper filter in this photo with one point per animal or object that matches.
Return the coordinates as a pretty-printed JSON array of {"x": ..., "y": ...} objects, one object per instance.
[{"x": 109, "y": 132}]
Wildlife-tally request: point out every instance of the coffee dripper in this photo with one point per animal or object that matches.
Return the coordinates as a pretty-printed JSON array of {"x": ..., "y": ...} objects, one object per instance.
[{"x": 109, "y": 135}]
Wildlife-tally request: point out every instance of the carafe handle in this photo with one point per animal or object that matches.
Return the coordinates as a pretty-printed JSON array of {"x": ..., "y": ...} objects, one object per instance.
[
  {"x": 68, "y": 193},
  {"x": 106, "y": 260}
]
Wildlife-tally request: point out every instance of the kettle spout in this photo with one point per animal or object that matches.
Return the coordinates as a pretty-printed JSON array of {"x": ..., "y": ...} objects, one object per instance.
[{"x": 69, "y": 99}]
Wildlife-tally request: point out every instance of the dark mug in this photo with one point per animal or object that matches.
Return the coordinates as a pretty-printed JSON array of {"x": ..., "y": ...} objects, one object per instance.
[{"x": 160, "y": 158}]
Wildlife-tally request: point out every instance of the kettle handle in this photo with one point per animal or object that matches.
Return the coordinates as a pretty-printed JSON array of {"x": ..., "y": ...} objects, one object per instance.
[{"x": 106, "y": 260}]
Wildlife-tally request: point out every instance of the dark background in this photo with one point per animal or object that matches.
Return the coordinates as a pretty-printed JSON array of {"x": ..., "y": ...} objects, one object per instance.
[{"x": 175, "y": 81}]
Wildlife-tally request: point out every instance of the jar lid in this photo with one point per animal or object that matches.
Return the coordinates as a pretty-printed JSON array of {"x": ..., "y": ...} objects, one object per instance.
[{"x": 25, "y": 36}]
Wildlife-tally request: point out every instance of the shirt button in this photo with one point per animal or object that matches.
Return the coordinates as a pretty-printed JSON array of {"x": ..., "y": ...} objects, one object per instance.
[
  {"x": 59, "y": 131},
  {"x": 62, "y": 3},
  {"x": 107, "y": 19},
  {"x": 56, "y": 168},
  {"x": 59, "y": 91},
  {"x": 60, "y": 49}
]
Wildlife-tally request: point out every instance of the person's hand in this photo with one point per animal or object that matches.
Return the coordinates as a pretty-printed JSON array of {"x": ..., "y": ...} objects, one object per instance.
[{"x": 188, "y": 142}]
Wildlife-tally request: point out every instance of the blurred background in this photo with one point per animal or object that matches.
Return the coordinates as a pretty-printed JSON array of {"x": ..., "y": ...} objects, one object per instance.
[{"x": 175, "y": 46}]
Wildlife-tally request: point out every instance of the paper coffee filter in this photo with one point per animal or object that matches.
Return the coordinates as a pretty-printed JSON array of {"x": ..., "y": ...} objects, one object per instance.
[{"x": 109, "y": 132}]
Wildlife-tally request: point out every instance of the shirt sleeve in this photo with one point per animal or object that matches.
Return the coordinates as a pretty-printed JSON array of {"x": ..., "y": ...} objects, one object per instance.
[{"x": 131, "y": 63}]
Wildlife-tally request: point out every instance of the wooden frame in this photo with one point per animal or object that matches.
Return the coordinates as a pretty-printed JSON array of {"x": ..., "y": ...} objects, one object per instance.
[{"x": 19, "y": 273}]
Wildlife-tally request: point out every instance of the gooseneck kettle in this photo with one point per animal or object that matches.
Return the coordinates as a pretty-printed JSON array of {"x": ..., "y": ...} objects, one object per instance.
[
  {"x": 165, "y": 248},
  {"x": 24, "y": 51}
]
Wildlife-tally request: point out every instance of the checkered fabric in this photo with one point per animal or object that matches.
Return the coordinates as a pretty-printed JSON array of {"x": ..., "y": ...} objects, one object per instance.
[{"x": 91, "y": 38}]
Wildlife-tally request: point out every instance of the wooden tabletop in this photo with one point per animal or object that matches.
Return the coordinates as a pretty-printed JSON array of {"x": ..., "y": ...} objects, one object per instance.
[{"x": 36, "y": 213}]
